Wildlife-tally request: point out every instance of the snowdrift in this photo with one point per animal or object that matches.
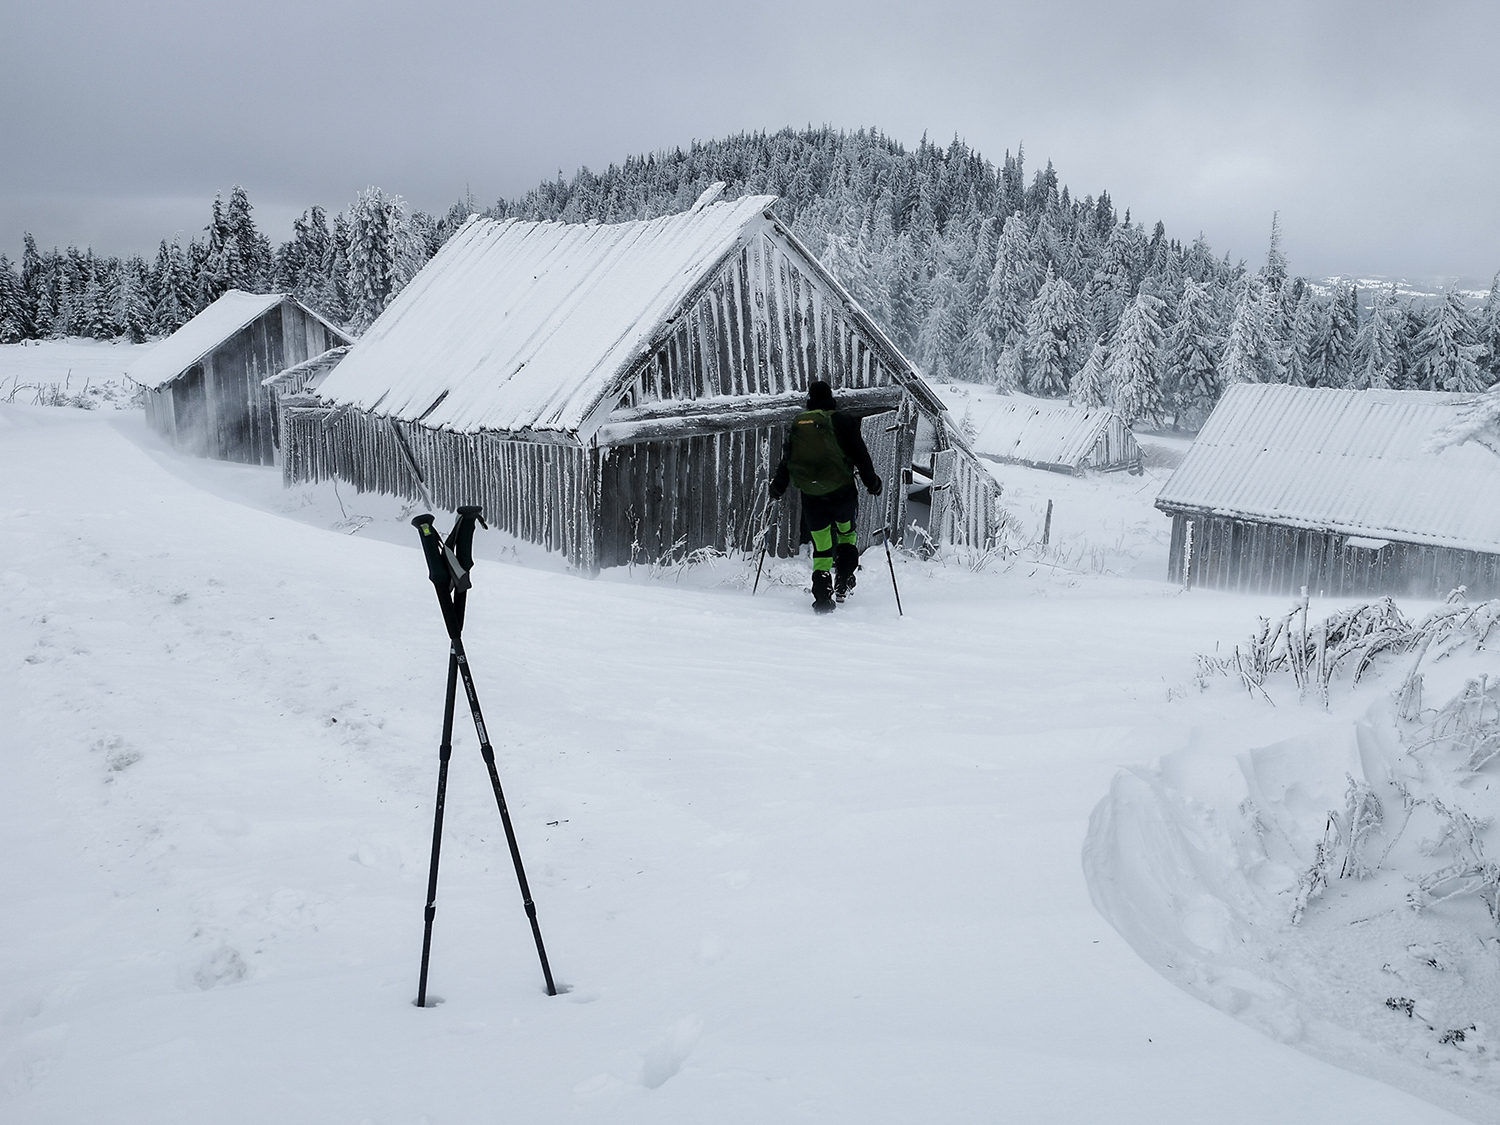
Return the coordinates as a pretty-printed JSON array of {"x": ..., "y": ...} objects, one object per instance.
[{"x": 1331, "y": 890}]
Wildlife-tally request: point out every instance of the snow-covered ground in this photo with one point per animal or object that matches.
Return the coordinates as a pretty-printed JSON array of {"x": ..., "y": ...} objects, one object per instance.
[
  {"x": 1334, "y": 888},
  {"x": 788, "y": 868},
  {"x": 78, "y": 372}
]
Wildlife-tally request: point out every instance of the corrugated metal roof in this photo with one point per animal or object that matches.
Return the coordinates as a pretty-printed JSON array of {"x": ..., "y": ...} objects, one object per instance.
[
  {"x": 519, "y": 325},
  {"x": 201, "y": 335},
  {"x": 1040, "y": 431},
  {"x": 1351, "y": 462}
]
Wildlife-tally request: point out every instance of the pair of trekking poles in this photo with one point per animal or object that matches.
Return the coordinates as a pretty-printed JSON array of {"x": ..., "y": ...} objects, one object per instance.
[
  {"x": 765, "y": 545},
  {"x": 449, "y": 562}
]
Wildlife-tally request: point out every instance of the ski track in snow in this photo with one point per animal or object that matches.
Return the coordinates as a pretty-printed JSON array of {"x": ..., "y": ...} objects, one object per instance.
[{"x": 787, "y": 868}]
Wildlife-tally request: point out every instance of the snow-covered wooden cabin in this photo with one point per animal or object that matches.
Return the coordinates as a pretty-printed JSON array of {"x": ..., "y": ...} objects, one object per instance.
[
  {"x": 203, "y": 383},
  {"x": 1335, "y": 490},
  {"x": 621, "y": 391},
  {"x": 1048, "y": 434}
]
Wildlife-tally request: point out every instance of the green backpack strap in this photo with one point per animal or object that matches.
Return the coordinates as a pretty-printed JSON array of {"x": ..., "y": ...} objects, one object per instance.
[{"x": 817, "y": 463}]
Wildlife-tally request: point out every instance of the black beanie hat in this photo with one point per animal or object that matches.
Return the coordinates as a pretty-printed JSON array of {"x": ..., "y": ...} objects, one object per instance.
[{"x": 820, "y": 396}]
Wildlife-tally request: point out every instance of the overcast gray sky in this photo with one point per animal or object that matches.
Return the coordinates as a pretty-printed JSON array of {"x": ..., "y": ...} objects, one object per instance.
[{"x": 1370, "y": 126}]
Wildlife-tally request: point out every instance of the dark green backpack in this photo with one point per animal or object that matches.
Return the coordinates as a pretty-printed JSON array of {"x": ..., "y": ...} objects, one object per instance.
[{"x": 817, "y": 463}]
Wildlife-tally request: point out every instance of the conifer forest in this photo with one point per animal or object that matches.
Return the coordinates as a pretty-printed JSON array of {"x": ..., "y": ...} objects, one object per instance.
[{"x": 977, "y": 272}]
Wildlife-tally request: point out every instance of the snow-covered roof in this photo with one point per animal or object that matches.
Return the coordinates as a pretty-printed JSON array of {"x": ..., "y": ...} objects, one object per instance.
[
  {"x": 1351, "y": 462},
  {"x": 1038, "y": 431},
  {"x": 201, "y": 335},
  {"x": 518, "y": 325}
]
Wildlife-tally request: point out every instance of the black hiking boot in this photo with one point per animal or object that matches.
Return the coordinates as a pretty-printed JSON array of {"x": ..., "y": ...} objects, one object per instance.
[
  {"x": 845, "y": 563},
  {"x": 822, "y": 592}
]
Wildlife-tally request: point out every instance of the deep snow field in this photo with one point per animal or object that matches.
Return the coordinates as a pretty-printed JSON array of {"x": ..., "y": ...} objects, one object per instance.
[
  {"x": 788, "y": 868},
  {"x": 76, "y": 372}
]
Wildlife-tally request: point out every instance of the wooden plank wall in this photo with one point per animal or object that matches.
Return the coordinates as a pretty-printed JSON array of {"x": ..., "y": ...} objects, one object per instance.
[
  {"x": 763, "y": 325},
  {"x": 886, "y": 440},
  {"x": 539, "y": 492},
  {"x": 963, "y": 501},
  {"x": 1262, "y": 558},
  {"x": 660, "y": 499},
  {"x": 218, "y": 408}
]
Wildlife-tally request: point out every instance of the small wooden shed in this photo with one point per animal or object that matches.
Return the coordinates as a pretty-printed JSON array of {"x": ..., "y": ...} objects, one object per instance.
[
  {"x": 1337, "y": 491},
  {"x": 204, "y": 390},
  {"x": 620, "y": 392},
  {"x": 1048, "y": 434}
]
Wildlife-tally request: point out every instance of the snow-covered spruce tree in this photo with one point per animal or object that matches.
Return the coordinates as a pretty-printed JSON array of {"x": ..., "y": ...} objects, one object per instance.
[
  {"x": 1377, "y": 348},
  {"x": 216, "y": 262},
  {"x": 382, "y": 257},
  {"x": 11, "y": 327},
  {"x": 1051, "y": 324},
  {"x": 336, "y": 269},
  {"x": 96, "y": 322},
  {"x": 253, "y": 266},
  {"x": 172, "y": 290},
  {"x": 1449, "y": 349},
  {"x": 1010, "y": 368},
  {"x": 32, "y": 286},
  {"x": 1335, "y": 357},
  {"x": 1412, "y": 366},
  {"x": 1250, "y": 353},
  {"x": 304, "y": 265},
  {"x": 1091, "y": 385},
  {"x": 942, "y": 328},
  {"x": 131, "y": 311},
  {"x": 1275, "y": 272},
  {"x": 1116, "y": 277},
  {"x": 1303, "y": 345},
  {"x": 1012, "y": 284},
  {"x": 1489, "y": 329},
  {"x": 1190, "y": 370},
  {"x": 978, "y": 351},
  {"x": 1135, "y": 362}
]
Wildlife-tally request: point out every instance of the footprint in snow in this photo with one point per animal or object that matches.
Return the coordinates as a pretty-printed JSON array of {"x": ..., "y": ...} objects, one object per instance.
[
  {"x": 221, "y": 965},
  {"x": 665, "y": 1057}
]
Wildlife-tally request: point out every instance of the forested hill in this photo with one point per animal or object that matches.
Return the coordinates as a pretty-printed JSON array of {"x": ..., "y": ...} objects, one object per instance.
[{"x": 977, "y": 271}]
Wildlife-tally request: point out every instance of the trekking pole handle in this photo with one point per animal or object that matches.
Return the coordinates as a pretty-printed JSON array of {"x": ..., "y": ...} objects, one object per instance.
[
  {"x": 432, "y": 547},
  {"x": 461, "y": 538}
]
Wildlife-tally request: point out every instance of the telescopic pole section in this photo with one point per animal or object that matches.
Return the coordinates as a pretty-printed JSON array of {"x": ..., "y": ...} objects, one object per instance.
[
  {"x": 445, "y": 751},
  {"x": 886, "y": 538},
  {"x": 488, "y": 752},
  {"x": 765, "y": 544}
]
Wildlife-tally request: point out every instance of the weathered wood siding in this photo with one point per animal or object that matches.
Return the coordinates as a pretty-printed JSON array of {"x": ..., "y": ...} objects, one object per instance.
[
  {"x": 888, "y": 436},
  {"x": 1265, "y": 558},
  {"x": 1116, "y": 449},
  {"x": 963, "y": 501},
  {"x": 218, "y": 408},
  {"x": 763, "y": 325},
  {"x": 540, "y": 492},
  {"x": 667, "y": 498}
]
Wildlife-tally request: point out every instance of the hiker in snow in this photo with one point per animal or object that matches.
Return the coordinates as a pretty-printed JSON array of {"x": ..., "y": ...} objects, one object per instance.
[{"x": 823, "y": 449}]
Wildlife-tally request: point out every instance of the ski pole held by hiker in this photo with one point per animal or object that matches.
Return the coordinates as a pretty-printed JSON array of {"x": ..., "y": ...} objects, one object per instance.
[{"x": 824, "y": 449}]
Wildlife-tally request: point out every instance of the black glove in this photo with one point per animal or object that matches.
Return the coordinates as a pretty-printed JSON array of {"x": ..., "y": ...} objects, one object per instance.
[
  {"x": 874, "y": 486},
  {"x": 776, "y": 492}
]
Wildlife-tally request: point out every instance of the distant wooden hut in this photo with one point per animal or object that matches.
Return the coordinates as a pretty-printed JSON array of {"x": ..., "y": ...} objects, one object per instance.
[
  {"x": 204, "y": 390},
  {"x": 1334, "y": 490},
  {"x": 1048, "y": 434},
  {"x": 619, "y": 392}
]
